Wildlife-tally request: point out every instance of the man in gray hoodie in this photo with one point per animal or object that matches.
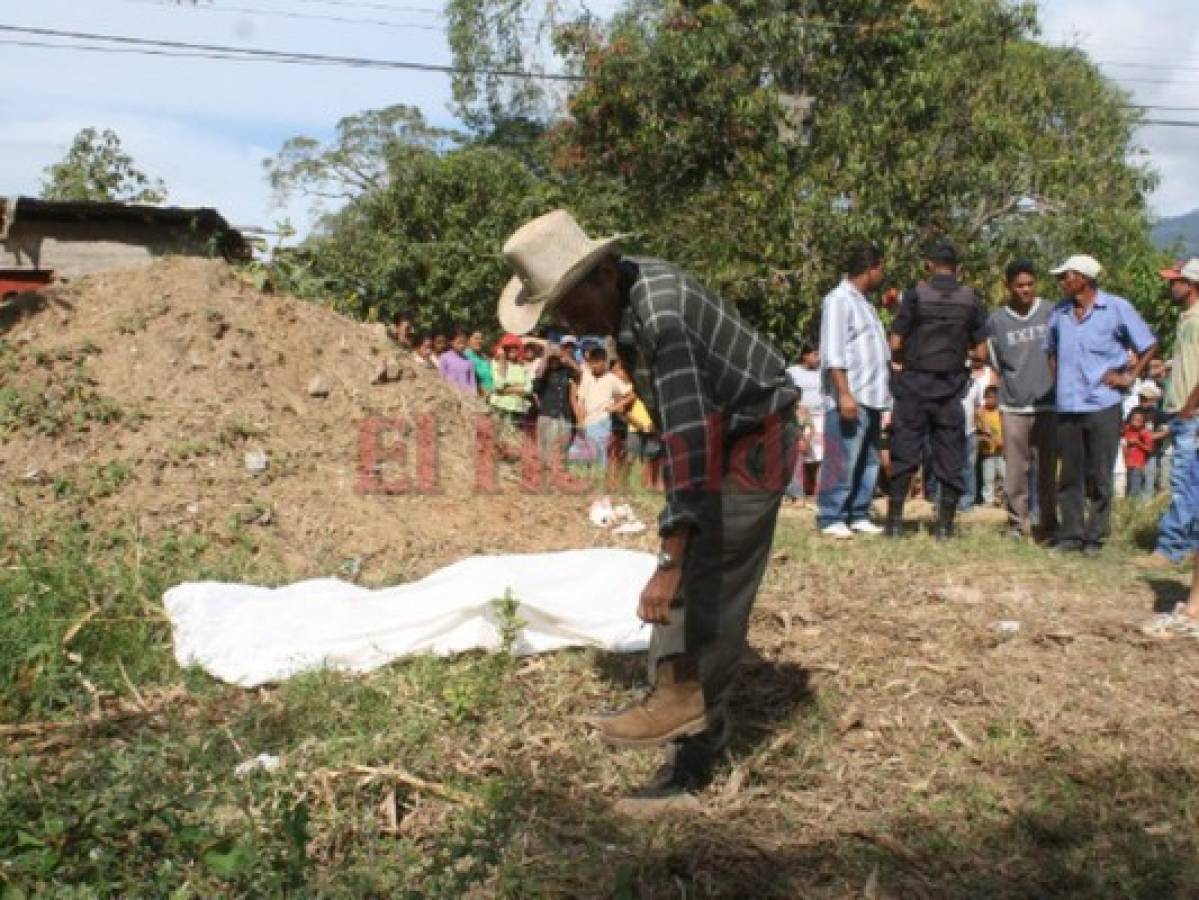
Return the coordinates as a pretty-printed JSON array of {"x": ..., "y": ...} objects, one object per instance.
[{"x": 1016, "y": 342}]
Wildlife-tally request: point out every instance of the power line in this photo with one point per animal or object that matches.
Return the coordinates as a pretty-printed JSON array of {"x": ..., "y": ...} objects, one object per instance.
[
  {"x": 144, "y": 46},
  {"x": 170, "y": 54},
  {"x": 1137, "y": 65},
  {"x": 282, "y": 55},
  {"x": 1168, "y": 123},
  {"x": 1123, "y": 80}
]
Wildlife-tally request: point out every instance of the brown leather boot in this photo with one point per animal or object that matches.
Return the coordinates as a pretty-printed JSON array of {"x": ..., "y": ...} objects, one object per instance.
[{"x": 674, "y": 709}]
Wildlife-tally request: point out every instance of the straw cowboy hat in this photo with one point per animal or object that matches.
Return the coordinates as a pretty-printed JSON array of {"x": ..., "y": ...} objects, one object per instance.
[{"x": 550, "y": 255}]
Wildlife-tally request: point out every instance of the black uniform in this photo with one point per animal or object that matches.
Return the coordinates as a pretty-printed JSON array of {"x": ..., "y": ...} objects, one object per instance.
[{"x": 939, "y": 321}]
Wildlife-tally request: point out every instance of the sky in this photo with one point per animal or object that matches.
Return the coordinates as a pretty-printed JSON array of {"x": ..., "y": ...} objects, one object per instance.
[{"x": 204, "y": 126}]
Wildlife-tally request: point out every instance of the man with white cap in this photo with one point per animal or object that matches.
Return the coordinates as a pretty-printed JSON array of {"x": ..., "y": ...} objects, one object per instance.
[
  {"x": 1182, "y": 401},
  {"x": 1098, "y": 345},
  {"x": 723, "y": 404}
]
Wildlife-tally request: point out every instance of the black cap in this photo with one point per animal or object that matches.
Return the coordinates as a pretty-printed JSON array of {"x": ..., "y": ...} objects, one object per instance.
[{"x": 943, "y": 252}]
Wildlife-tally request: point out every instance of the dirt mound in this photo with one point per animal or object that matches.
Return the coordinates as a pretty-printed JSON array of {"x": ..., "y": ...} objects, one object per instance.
[{"x": 157, "y": 397}]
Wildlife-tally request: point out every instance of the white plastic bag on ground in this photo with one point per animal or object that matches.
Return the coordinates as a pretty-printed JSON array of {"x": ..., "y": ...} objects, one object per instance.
[{"x": 249, "y": 635}]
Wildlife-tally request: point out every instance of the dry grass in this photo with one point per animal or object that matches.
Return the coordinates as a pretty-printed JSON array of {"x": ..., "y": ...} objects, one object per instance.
[{"x": 889, "y": 742}]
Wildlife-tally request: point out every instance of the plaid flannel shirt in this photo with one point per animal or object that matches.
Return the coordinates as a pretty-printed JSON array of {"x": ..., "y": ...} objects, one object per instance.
[{"x": 694, "y": 361}]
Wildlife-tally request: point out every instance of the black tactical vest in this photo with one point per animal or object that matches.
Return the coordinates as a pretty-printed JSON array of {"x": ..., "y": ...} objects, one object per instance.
[{"x": 941, "y": 334}]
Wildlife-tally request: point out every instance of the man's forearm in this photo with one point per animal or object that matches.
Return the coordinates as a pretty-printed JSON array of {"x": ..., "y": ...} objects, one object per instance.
[
  {"x": 841, "y": 382},
  {"x": 675, "y": 543},
  {"x": 1143, "y": 360}
]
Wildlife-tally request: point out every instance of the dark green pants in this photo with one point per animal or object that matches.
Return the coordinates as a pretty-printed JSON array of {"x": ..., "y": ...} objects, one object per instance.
[{"x": 723, "y": 568}]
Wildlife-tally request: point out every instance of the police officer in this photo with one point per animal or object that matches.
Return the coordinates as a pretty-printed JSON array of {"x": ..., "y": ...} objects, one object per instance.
[{"x": 938, "y": 322}]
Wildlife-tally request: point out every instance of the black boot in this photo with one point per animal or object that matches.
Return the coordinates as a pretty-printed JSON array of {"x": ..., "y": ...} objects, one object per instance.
[
  {"x": 893, "y": 526},
  {"x": 687, "y": 769},
  {"x": 947, "y": 508}
]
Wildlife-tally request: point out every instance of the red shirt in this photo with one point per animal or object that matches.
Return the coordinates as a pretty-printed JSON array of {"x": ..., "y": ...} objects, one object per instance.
[{"x": 1137, "y": 444}]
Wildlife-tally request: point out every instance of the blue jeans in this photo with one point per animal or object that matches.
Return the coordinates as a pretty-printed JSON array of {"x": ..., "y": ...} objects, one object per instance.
[
  {"x": 850, "y": 468},
  {"x": 598, "y": 435},
  {"x": 1140, "y": 486},
  {"x": 1174, "y": 531},
  {"x": 993, "y": 468}
]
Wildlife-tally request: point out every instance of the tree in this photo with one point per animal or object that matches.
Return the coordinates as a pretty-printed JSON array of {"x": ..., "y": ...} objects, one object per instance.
[
  {"x": 490, "y": 40},
  {"x": 96, "y": 168},
  {"x": 428, "y": 241},
  {"x": 928, "y": 118},
  {"x": 357, "y": 160}
]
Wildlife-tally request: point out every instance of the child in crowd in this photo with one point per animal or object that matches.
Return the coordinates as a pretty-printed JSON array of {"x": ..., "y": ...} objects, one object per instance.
[
  {"x": 990, "y": 444},
  {"x": 1138, "y": 447},
  {"x": 513, "y": 385},
  {"x": 618, "y": 457},
  {"x": 554, "y": 393},
  {"x": 424, "y": 351},
  {"x": 455, "y": 367},
  {"x": 598, "y": 391},
  {"x": 441, "y": 343},
  {"x": 401, "y": 330},
  {"x": 644, "y": 445},
  {"x": 798, "y": 487},
  {"x": 474, "y": 352}
]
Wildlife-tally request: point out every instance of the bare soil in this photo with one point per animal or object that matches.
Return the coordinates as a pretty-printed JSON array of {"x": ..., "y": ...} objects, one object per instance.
[{"x": 204, "y": 369}]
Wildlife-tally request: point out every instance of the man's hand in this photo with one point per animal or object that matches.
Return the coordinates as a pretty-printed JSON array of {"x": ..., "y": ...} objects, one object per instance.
[
  {"x": 1118, "y": 380},
  {"x": 848, "y": 407},
  {"x": 1188, "y": 411},
  {"x": 659, "y": 595}
]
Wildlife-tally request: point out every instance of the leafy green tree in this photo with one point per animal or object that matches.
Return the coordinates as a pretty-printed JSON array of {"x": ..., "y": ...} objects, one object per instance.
[
  {"x": 492, "y": 37},
  {"x": 428, "y": 241},
  {"x": 97, "y": 168},
  {"x": 927, "y": 118},
  {"x": 357, "y": 160}
]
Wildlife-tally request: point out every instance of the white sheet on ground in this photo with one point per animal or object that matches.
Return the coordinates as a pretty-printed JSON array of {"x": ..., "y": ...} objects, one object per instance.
[{"x": 249, "y": 635}]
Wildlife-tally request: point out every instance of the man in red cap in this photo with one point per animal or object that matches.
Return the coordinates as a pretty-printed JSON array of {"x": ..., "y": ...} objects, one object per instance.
[{"x": 1182, "y": 402}]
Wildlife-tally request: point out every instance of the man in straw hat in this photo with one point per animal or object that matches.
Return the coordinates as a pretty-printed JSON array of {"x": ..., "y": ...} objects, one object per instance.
[
  {"x": 724, "y": 406},
  {"x": 1098, "y": 346}
]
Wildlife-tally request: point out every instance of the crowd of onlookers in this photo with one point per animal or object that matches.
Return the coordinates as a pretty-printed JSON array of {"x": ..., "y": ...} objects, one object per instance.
[
  {"x": 574, "y": 398},
  {"x": 1142, "y": 470},
  {"x": 571, "y": 395},
  {"x": 1063, "y": 404}
]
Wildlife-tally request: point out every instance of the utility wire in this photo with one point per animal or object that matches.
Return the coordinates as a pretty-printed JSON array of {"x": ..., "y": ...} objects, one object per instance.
[
  {"x": 251, "y": 54},
  {"x": 281, "y": 55},
  {"x": 1156, "y": 66},
  {"x": 170, "y": 54}
]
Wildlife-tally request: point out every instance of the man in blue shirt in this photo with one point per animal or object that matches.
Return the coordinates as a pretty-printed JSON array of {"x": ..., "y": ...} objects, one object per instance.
[{"x": 1098, "y": 345}]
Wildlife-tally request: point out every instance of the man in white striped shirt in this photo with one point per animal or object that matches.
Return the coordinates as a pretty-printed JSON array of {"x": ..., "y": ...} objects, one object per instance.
[{"x": 855, "y": 363}]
